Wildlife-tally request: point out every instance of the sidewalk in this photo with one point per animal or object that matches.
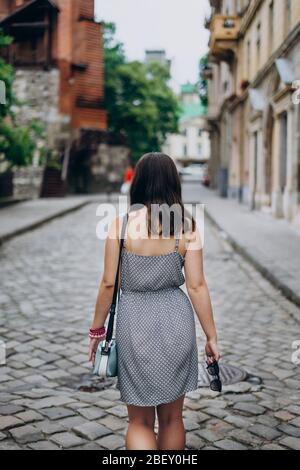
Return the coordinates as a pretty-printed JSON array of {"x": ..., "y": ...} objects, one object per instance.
[
  {"x": 25, "y": 216},
  {"x": 271, "y": 245}
]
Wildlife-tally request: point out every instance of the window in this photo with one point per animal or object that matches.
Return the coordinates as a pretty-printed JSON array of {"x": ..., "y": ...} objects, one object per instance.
[
  {"x": 298, "y": 146},
  {"x": 255, "y": 167},
  {"x": 184, "y": 132},
  {"x": 200, "y": 150},
  {"x": 271, "y": 27},
  {"x": 248, "y": 58},
  {"x": 283, "y": 149},
  {"x": 185, "y": 150},
  {"x": 258, "y": 43},
  {"x": 241, "y": 6},
  {"x": 288, "y": 16},
  {"x": 199, "y": 132}
]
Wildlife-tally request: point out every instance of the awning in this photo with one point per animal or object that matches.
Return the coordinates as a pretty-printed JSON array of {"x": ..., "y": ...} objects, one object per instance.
[
  {"x": 257, "y": 99},
  {"x": 285, "y": 70},
  {"x": 27, "y": 6}
]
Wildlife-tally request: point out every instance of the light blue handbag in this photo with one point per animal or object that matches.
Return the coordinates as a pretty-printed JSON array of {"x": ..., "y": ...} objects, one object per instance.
[{"x": 106, "y": 360}]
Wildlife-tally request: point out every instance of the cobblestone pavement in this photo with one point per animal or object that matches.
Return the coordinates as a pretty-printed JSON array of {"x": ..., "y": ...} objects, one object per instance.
[{"x": 49, "y": 281}]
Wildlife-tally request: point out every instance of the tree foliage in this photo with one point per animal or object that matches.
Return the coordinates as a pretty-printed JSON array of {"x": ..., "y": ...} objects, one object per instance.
[
  {"x": 17, "y": 143},
  {"x": 6, "y": 76},
  {"x": 203, "y": 85},
  {"x": 139, "y": 100}
]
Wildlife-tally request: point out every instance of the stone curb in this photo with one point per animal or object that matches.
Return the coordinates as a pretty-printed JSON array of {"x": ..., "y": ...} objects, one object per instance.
[
  {"x": 265, "y": 271},
  {"x": 40, "y": 222},
  {"x": 107, "y": 197}
]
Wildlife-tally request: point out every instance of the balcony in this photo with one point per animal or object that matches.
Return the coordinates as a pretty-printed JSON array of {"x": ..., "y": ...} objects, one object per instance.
[{"x": 224, "y": 36}]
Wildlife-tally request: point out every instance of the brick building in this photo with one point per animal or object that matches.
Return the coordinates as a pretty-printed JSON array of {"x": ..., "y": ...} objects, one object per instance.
[
  {"x": 58, "y": 59},
  {"x": 61, "y": 35}
]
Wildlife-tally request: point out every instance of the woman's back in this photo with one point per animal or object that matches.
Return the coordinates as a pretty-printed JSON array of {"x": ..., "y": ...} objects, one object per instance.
[
  {"x": 138, "y": 240},
  {"x": 149, "y": 272}
]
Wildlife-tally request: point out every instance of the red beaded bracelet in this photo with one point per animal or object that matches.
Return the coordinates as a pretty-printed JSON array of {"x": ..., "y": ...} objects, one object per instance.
[{"x": 97, "y": 332}]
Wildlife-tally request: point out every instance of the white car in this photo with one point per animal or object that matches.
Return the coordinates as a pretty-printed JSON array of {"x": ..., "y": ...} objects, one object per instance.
[{"x": 193, "y": 172}]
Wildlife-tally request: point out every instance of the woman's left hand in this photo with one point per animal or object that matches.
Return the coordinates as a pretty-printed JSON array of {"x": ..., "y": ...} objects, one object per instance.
[
  {"x": 212, "y": 351},
  {"x": 94, "y": 342}
]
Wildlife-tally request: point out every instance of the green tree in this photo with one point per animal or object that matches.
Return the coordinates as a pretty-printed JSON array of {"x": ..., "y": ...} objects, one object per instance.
[
  {"x": 139, "y": 101},
  {"x": 203, "y": 85},
  {"x": 114, "y": 56}
]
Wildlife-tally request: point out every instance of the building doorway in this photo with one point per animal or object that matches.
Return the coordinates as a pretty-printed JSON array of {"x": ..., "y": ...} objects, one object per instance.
[
  {"x": 283, "y": 150},
  {"x": 269, "y": 156},
  {"x": 255, "y": 169},
  {"x": 298, "y": 155}
]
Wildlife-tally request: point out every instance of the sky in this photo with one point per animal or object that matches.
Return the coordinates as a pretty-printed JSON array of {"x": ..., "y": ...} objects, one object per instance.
[{"x": 174, "y": 25}]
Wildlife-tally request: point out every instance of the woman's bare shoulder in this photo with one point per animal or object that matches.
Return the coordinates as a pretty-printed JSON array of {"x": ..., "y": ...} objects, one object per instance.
[
  {"x": 192, "y": 238},
  {"x": 189, "y": 235},
  {"x": 115, "y": 227}
]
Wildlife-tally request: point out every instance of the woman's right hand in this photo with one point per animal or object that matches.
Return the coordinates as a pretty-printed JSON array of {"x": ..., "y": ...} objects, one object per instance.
[
  {"x": 94, "y": 342},
  {"x": 212, "y": 351}
]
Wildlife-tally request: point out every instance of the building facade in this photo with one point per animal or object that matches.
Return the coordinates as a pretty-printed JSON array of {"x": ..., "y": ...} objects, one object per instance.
[
  {"x": 157, "y": 55},
  {"x": 253, "y": 114},
  {"x": 192, "y": 143},
  {"x": 57, "y": 55}
]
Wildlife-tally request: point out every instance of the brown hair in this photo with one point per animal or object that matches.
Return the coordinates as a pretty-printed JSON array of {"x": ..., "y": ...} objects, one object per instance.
[{"x": 156, "y": 181}]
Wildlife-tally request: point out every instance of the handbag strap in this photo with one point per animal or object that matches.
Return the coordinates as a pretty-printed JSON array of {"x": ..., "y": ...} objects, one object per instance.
[{"x": 116, "y": 288}]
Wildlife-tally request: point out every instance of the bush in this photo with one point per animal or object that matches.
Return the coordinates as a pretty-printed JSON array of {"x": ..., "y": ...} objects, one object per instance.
[{"x": 16, "y": 145}]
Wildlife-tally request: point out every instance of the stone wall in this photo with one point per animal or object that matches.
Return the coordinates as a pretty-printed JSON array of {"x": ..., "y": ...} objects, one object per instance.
[
  {"x": 97, "y": 158},
  {"x": 98, "y": 161},
  {"x": 38, "y": 93},
  {"x": 27, "y": 182},
  {"x": 107, "y": 167}
]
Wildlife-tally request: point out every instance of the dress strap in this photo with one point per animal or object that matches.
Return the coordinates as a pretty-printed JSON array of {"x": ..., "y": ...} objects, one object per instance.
[{"x": 124, "y": 222}]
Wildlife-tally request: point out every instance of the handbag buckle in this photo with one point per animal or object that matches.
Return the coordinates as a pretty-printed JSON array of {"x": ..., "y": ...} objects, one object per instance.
[{"x": 105, "y": 348}]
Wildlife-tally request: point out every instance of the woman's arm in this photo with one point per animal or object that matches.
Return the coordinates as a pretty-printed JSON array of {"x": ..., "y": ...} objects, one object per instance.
[
  {"x": 106, "y": 288},
  {"x": 199, "y": 293}
]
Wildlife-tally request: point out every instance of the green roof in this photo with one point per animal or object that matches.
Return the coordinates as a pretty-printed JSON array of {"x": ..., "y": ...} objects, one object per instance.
[
  {"x": 188, "y": 88},
  {"x": 192, "y": 110}
]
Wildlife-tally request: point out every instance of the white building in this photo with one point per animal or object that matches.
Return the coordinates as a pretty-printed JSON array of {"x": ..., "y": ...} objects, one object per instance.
[
  {"x": 192, "y": 144},
  {"x": 157, "y": 55}
]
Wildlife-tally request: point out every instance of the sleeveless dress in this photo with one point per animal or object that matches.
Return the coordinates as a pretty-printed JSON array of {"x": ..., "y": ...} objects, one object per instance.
[{"x": 155, "y": 329}]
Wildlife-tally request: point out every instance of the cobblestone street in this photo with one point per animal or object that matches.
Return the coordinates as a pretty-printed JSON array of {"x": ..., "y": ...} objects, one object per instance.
[{"x": 49, "y": 281}]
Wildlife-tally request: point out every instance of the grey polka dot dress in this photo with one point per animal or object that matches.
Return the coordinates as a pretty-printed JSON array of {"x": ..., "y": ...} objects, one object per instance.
[{"x": 155, "y": 330}]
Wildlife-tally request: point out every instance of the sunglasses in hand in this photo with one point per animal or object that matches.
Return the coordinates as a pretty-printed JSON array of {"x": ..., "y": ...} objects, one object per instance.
[{"x": 213, "y": 370}]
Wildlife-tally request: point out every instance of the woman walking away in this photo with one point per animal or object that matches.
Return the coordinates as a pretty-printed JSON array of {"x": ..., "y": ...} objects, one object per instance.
[{"x": 155, "y": 325}]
